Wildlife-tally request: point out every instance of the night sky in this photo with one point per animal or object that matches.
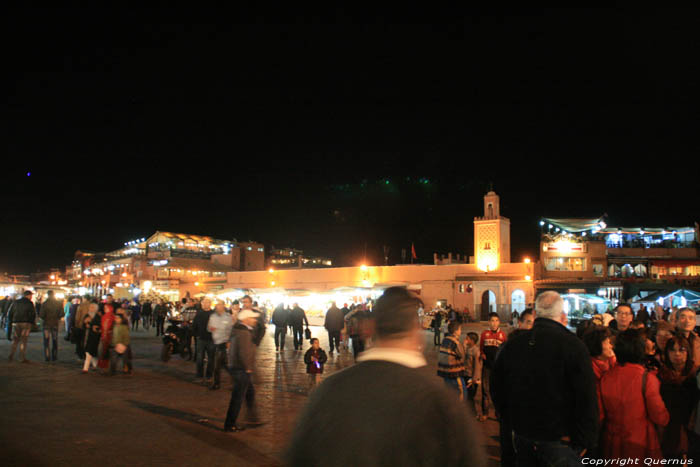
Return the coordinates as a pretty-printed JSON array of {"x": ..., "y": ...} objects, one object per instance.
[{"x": 285, "y": 129}]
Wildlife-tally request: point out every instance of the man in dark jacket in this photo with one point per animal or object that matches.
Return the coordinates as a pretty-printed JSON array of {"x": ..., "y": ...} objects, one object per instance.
[
  {"x": 280, "y": 318},
  {"x": 205, "y": 342},
  {"x": 146, "y": 312},
  {"x": 416, "y": 422},
  {"x": 51, "y": 314},
  {"x": 543, "y": 385},
  {"x": 241, "y": 363},
  {"x": 22, "y": 315},
  {"x": 160, "y": 312},
  {"x": 297, "y": 318},
  {"x": 335, "y": 321}
]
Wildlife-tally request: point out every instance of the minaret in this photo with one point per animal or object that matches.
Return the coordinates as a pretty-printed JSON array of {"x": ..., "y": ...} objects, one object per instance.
[{"x": 491, "y": 235}]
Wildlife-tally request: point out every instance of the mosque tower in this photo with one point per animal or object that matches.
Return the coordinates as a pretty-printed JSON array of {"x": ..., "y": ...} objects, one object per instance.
[{"x": 491, "y": 235}]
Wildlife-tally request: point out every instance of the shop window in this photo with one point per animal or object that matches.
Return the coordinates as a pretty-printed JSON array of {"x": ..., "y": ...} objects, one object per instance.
[
  {"x": 462, "y": 288},
  {"x": 598, "y": 269},
  {"x": 566, "y": 264}
]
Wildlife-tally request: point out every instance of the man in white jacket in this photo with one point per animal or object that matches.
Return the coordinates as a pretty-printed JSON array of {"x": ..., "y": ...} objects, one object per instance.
[{"x": 220, "y": 324}]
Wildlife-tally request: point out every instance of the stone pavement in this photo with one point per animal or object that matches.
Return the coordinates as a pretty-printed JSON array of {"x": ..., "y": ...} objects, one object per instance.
[{"x": 54, "y": 415}]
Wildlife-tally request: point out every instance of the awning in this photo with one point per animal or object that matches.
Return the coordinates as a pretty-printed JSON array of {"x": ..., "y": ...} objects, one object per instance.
[
  {"x": 689, "y": 295},
  {"x": 575, "y": 224}
]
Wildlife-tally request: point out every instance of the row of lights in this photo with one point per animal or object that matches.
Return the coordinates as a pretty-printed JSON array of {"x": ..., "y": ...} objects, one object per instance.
[{"x": 135, "y": 242}]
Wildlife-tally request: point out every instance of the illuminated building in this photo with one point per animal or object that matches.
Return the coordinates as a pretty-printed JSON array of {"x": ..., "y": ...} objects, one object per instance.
[
  {"x": 501, "y": 287},
  {"x": 587, "y": 257},
  {"x": 283, "y": 258},
  {"x": 165, "y": 260}
]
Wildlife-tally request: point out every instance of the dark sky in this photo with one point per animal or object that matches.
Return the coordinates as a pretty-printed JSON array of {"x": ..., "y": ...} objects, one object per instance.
[{"x": 285, "y": 129}]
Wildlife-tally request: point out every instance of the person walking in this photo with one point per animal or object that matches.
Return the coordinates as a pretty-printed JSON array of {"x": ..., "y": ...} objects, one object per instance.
[
  {"x": 219, "y": 325},
  {"x": 205, "y": 344},
  {"x": 119, "y": 346},
  {"x": 297, "y": 318},
  {"x": 159, "y": 313},
  {"x": 93, "y": 325},
  {"x": 106, "y": 327},
  {"x": 355, "y": 325},
  {"x": 437, "y": 327},
  {"x": 22, "y": 316},
  {"x": 66, "y": 313},
  {"x": 417, "y": 422},
  {"x": 51, "y": 314},
  {"x": 135, "y": 315},
  {"x": 241, "y": 363},
  {"x": 146, "y": 313},
  {"x": 280, "y": 319},
  {"x": 544, "y": 389},
  {"x": 334, "y": 323}
]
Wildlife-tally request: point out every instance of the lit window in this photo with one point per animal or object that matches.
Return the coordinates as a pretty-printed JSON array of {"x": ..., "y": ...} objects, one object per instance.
[{"x": 566, "y": 264}]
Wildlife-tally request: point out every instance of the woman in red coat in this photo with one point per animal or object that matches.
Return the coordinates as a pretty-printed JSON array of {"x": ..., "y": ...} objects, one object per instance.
[
  {"x": 631, "y": 411},
  {"x": 598, "y": 341},
  {"x": 107, "y": 324}
]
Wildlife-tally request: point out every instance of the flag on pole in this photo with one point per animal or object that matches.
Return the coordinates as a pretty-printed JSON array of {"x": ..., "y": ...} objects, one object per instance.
[{"x": 413, "y": 252}]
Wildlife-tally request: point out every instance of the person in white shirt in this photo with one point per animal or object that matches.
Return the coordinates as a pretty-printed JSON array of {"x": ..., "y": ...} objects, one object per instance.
[{"x": 220, "y": 324}]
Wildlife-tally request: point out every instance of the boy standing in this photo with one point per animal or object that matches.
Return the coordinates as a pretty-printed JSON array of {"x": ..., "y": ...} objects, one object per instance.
[
  {"x": 314, "y": 358},
  {"x": 491, "y": 341},
  {"x": 472, "y": 364}
]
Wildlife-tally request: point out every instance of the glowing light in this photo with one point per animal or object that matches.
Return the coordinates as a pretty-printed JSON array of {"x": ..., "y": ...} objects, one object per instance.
[
  {"x": 541, "y": 222},
  {"x": 563, "y": 246},
  {"x": 363, "y": 268},
  {"x": 527, "y": 260},
  {"x": 196, "y": 284},
  {"x": 53, "y": 277},
  {"x": 123, "y": 274},
  {"x": 147, "y": 285},
  {"x": 487, "y": 264},
  {"x": 527, "y": 278},
  {"x": 272, "y": 283},
  {"x": 271, "y": 271}
]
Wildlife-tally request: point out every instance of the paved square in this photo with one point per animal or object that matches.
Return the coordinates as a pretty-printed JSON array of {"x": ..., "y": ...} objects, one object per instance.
[{"x": 54, "y": 415}]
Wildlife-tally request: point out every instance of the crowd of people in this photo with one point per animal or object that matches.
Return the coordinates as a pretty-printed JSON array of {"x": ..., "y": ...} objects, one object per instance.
[{"x": 625, "y": 385}]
